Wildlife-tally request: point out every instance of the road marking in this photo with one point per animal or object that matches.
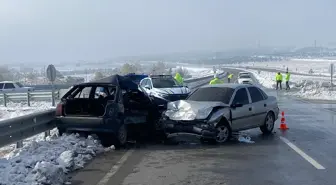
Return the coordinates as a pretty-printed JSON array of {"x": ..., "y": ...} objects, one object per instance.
[
  {"x": 302, "y": 154},
  {"x": 115, "y": 168}
]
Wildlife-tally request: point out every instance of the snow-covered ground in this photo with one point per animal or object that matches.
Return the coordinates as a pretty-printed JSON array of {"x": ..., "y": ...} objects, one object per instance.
[
  {"x": 48, "y": 161},
  {"x": 301, "y": 86},
  {"x": 19, "y": 109},
  {"x": 319, "y": 66}
]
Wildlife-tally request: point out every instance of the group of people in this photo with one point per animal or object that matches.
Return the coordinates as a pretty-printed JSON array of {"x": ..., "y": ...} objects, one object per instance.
[
  {"x": 278, "y": 79},
  {"x": 216, "y": 79}
]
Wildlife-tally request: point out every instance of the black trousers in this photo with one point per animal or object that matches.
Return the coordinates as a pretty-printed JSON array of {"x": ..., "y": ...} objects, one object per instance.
[
  {"x": 279, "y": 83},
  {"x": 229, "y": 80},
  {"x": 287, "y": 85}
]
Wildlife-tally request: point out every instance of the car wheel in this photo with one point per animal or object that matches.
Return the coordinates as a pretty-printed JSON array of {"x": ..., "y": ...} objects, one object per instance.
[
  {"x": 223, "y": 133},
  {"x": 268, "y": 126},
  {"x": 122, "y": 136}
]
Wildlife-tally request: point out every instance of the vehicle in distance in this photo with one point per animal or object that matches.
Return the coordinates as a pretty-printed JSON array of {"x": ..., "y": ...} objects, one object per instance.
[
  {"x": 245, "y": 79},
  {"x": 163, "y": 89},
  {"x": 10, "y": 86},
  {"x": 213, "y": 112},
  {"x": 113, "y": 108}
]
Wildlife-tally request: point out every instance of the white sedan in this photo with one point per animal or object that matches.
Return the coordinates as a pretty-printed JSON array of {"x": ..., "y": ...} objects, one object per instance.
[{"x": 245, "y": 79}]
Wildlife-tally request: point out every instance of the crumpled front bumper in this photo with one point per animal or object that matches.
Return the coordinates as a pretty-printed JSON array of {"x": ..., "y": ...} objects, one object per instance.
[{"x": 196, "y": 128}]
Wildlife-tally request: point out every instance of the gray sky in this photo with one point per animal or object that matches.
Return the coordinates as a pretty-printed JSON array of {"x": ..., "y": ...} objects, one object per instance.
[{"x": 72, "y": 30}]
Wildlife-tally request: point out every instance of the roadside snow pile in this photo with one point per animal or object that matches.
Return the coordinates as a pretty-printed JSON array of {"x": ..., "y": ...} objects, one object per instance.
[
  {"x": 305, "y": 88},
  {"x": 19, "y": 109},
  {"x": 48, "y": 162}
]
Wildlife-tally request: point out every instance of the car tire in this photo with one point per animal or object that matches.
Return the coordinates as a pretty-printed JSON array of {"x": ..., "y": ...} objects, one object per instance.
[
  {"x": 223, "y": 134},
  {"x": 268, "y": 126},
  {"x": 121, "y": 138}
]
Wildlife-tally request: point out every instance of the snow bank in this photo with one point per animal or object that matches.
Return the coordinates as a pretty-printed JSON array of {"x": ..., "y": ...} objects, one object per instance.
[
  {"x": 301, "y": 86},
  {"x": 48, "y": 162}
]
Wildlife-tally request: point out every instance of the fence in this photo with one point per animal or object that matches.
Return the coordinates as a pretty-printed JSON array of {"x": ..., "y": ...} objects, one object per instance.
[
  {"x": 19, "y": 128},
  {"x": 28, "y": 97}
]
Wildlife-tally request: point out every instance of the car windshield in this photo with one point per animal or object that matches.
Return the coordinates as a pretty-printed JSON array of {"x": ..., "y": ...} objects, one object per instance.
[
  {"x": 164, "y": 83},
  {"x": 245, "y": 76},
  {"x": 19, "y": 84},
  {"x": 222, "y": 94}
]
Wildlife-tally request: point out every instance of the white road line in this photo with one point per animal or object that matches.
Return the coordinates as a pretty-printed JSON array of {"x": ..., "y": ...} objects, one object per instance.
[
  {"x": 115, "y": 168},
  {"x": 302, "y": 154}
]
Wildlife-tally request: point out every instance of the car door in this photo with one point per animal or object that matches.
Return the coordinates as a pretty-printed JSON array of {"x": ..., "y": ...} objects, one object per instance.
[
  {"x": 258, "y": 106},
  {"x": 241, "y": 116},
  {"x": 9, "y": 87}
]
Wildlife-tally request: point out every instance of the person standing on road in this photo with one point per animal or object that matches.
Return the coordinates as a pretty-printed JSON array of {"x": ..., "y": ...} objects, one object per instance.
[
  {"x": 216, "y": 80},
  {"x": 287, "y": 80},
  {"x": 230, "y": 77},
  {"x": 278, "y": 79},
  {"x": 179, "y": 78}
]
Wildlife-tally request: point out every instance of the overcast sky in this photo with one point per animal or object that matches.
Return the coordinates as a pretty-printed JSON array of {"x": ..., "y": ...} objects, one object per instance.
[{"x": 72, "y": 30}]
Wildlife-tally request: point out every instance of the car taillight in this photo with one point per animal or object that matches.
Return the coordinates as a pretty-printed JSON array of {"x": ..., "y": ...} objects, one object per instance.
[{"x": 59, "y": 109}]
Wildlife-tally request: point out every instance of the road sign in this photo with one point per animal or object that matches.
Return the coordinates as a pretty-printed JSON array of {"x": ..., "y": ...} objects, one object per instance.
[{"x": 51, "y": 73}]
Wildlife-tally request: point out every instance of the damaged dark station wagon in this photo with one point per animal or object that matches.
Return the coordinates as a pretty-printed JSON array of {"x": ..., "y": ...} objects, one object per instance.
[{"x": 114, "y": 108}]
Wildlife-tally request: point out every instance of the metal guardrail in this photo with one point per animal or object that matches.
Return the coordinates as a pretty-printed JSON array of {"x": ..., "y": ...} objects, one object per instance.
[
  {"x": 22, "y": 127},
  {"x": 28, "y": 96}
]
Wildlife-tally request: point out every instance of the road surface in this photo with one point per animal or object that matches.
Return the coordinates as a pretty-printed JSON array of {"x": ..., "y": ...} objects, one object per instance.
[{"x": 304, "y": 154}]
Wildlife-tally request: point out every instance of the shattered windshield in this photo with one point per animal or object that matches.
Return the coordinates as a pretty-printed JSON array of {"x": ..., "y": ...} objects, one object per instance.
[{"x": 222, "y": 94}]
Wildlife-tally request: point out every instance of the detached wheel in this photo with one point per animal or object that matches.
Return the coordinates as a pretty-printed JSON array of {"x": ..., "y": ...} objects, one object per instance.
[{"x": 268, "y": 126}]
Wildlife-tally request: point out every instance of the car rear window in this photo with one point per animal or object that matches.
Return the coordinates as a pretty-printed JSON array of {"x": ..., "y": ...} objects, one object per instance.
[
  {"x": 164, "y": 83},
  {"x": 244, "y": 76},
  {"x": 222, "y": 94}
]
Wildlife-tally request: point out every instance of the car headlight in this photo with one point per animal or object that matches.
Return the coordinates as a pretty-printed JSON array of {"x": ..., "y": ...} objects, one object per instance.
[{"x": 157, "y": 94}]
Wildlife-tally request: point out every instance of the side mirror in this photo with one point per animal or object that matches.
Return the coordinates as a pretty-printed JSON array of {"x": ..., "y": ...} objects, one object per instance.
[
  {"x": 235, "y": 105},
  {"x": 147, "y": 87}
]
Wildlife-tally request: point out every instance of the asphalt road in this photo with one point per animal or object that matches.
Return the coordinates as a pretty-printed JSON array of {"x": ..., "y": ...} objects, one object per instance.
[{"x": 304, "y": 154}]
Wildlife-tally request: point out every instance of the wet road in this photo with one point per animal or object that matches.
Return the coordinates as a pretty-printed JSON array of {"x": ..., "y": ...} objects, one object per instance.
[{"x": 304, "y": 154}]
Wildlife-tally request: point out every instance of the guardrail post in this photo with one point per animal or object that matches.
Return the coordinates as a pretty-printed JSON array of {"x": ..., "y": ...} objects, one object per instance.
[
  {"x": 28, "y": 98},
  {"x": 19, "y": 144},
  {"x": 46, "y": 134},
  {"x": 5, "y": 99}
]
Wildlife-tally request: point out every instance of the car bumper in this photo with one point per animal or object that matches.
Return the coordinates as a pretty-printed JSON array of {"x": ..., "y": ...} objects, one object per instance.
[
  {"x": 200, "y": 130},
  {"x": 86, "y": 124}
]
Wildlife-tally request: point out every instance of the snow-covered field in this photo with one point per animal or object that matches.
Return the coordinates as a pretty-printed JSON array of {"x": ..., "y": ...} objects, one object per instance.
[
  {"x": 319, "y": 66},
  {"x": 19, "y": 109}
]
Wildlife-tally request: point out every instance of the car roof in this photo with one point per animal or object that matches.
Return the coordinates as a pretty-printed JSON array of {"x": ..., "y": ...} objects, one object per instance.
[
  {"x": 116, "y": 80},
  {"x": 7, "y": 82},
  {"x": 229, "y": 85}
]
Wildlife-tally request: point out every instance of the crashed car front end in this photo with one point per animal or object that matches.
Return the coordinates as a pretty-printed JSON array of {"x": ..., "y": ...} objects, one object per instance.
[{"x": 193, "y": 118}]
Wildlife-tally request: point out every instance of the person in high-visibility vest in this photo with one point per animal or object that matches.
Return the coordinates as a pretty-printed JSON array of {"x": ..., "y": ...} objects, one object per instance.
[
  {"x": 179, "y": 78},
  {"x": 216, "y": 80},
  {"x": 287, "y": 80},
  {"x": 230, "y": 77},
  {"x": 278, "y": 79}
]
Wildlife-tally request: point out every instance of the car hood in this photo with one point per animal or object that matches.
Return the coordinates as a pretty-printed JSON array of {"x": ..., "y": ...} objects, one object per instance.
[
  {"x": 173, "y": 90},
  {"x": 185, "y": 110}
]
